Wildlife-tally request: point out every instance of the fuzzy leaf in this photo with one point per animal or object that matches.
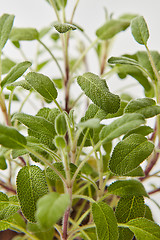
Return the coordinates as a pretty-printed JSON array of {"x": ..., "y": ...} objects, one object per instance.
[
  {"x": 143, "y": 130},
  {"x": 23, "y": 34},
  {"x": 22, "y": 83},
  {"x": 50, "y": 208},
  {"x": 111, "y": 28},
  {"x": 90, "y": 123},
  {"x": 31, "y": 185},
  {"x": 144, "y": 229},
  {"x": 11, "y": 138},
  {"x": 6, "y": 22},
  {"x": 42, "y": 84},
  {"x": 123, "y": 60},
  {"x": 37, "y": 231},
  {"x": 121, "y": 126},
  {"x": 140, "y": 30},
  {"x": 125, "y": 234},
  {"x": 7, "y": 64},
  {"x": 15, "y": 72},
  {"x": 145, "y": 106},
  {"x": 97, "y": 90},
  {"x": 60, "y": 124},
  {"x": 105, "y": 221},
  {"x": 94, "y": 111},
  {"x": 129, "y": 153},
  {"x": 64, "y": 27},
  {"x": 137, "y": 172},
  {"x": 127, "y": 188},
  {"x": 3, "y": 164}
]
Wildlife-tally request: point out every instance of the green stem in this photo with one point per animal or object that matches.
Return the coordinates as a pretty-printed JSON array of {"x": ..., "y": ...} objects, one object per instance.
[
  {"x": 84, "y": 197},
  {"x": 55, "y": 9},
  {"x": 100, "y": 170},
  {"x": 74, "y": 10}
]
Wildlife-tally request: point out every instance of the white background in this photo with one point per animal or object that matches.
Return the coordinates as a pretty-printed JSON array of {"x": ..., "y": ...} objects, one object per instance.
[{"x": 90, "y": 15}]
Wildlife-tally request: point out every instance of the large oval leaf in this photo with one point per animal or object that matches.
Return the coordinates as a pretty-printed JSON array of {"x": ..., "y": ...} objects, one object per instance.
[
  {"x": 129, "y": 153},
  {"x": 23, "y": 34},
  {"x": 97, "y": 90},
  {"x": 140, "y": 30}
]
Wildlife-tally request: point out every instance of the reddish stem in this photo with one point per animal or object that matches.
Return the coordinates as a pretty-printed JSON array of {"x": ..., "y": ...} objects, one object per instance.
[
  {"x": 8, "y": 188},
  {"x": 154, "y": 191}
]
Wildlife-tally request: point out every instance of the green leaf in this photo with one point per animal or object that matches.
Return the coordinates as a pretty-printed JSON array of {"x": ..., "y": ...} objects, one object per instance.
[
  {"x": 129, "y": 153},
  {"x": 120, "y": 111},
  {"x": 37, "y": 231},
  {"x": 97, "y": 90},
  {"x": 120, "y": 126},
  {"x": 4, "y": 225},
  {"x": 11, "y": 138},
  {"x": 50, "y": 208},
  {"x": 3, "y": 164},
  {"x": 123, "y": 60},
  {"x": 64, "y": 27},
  {"x": 105, "y": 221},
  {"x": 3, "y": 201},
  {"x": 148, "y": 213},
  {"x": 125, "y": 234},
  {"x": 137, "y": 172},
  {"x": 42, "y": 84},
  {"x": 94, "y": 111},
  {"x": 60, "y": 124},
  {"x": 145, "y": 106},
  {"x": 60, "y": 142},
  {"x": 16, "y": 72},
  {"x": 7, "y": 64},
  {"x": 6, "y": 22},
  {"x": 24, "y": 34},
  {"x": 111, "y": 28},
  {"x": 31, "y": 185},
  {"x": 23, "y": 83},
  {"x": 127, "y": 188},
  {"x": 144, "y": 229},
  {"x": 90, "y": 123},
  {"x": 143, "y": 130},
  {"x": 36, "y": 123},
  {"x": 140, "y": 30}
]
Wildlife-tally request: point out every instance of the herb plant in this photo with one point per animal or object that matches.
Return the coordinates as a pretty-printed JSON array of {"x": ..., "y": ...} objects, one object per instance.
[{"x": 76, "y": 177}]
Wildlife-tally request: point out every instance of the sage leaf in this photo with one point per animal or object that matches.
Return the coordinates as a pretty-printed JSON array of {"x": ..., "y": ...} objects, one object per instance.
[
  {"x": 120, "y": 126},
  {"x": 24, "y": 34},
  {"x": 7, "y": 64},
  {"x": 144, "y": 229},
  {"x": 137, "y": 172},
  {"x": 105, "y": 221},
  {"x": 22, "y": 83},
  {"x": 4, "y": 225},
  {"x": 145, "y": 106},
  {"x": 97, "y": 90},
  {"x": 6, "y": 22},
  {"x": 129, "y": 153},
  {"x": 90, "y": 123},
  {"x": 123, "y": 60},
  {"x": 31, "y": 185},
  {"x": 127, "y": 188},
  {"x": 8, "y": 206},
  {"x": 36, "y": 123},
  {"x": 64, "y": 27},
  {"x": 50, "y": 208},
  {"x": 42, "y": 84},
  {"x": 94, "y": 111},
  {"x": 111, "y": 28},
  {"x": 140, "y": 30},
  {"x": 15, "y": 72},
  {"x": 143, "y": 130},
  {"x": 148, "y": 213},
  {"x": 125, "y": 234},
  {"x": 60, "y": 124},
  {"x": 11, "y": 138},
  {"x": 38, "y": 232}
]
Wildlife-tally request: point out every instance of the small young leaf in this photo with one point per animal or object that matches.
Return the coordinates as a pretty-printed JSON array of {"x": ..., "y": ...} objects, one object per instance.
[
  {"x": 144, "y": 229},
  {"x": 111, "y": 28},
  {"x": 15, "y": 72},
  {"x": 90, "y": 123},
  {"x": 140, "y": 30},
  {"x": 23, "y": 34},
  {"x": 120, "y": 126},
  {"x": 64, "y": 27},
  {"x": 11, "y": 138},
  {"x": 50, "y": 208},
  {"x": 60, "y": 124},
  {"x": 6, "y": 22},
  {"x": 23, "y": 83},
  {"x": 3, "y": 164},
  {"x": 129, "y": 153},
  {"x": 127, "y": 188},
  {"x": 60, "y": 142},
  {"x": 42, "y": 84},
  {"x": 145, "y": 106},
  {"x": 31, "y": 185},
  {"x": 7, "y": 64},
  {"x": 97, "y": 90},
  {"x": 105, "y": 221}
]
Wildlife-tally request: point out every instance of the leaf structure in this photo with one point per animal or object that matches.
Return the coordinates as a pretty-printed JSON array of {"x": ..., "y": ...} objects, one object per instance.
[
  {"x": 50, "y": 208},
  {"x": 130, "y": 187},
  {"x": 123, "y": 60},
  {"x": 120, "y": 126},
  {"x": 31, "y": 185},
  {"x": 23, "y": 34},
  {"x": 105, "y": 221},
  {"x": 143, "y": 130},
  {"x": 15, "y": 72},
  {"x": 129, "y": 153},
  {"x": 97, "y": 90},
  {"x": 140, "y": 30},
  {"x": 64, "y": 27},
  {"x": 42, "y": 84}
]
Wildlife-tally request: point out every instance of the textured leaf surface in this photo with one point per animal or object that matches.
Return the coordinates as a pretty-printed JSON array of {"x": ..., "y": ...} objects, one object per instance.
[
  {"x": 7, "y": 64},
  {"x": 144, "y": 229},
  {"x": 60, "y": 124},
  {"x": 105, "y": 221},
  {"x": 23, "y": 34},
  {"x": 3, "y": 164},
  {"x": 6, "y": 22},
  {"x": 64, "y": 27},
  {"x": 111, "y": 28},
  {"x": 51, "y": 208},
  {"x": 97, "y": 90},
  {"x": 143, "y": 130},
  {"x": 123, "y": 60},
  {"x": 127, "y": 188},
  {"x": 37, "y": 231},
  {"x": 125, "y": 234},
  {"x": 31, "y": 185},
  {"x": 94, "y": 111},
  {"x": 129, "y": 153},
  {"x": 16, "y": 72},
  {"x": 42, "y": 84},
  {"x": 120, "y": 126},
  {"x": 11, "y": 138},
  {"x": 145, "y": 106},
  {"x": 140, "y": 30}
]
